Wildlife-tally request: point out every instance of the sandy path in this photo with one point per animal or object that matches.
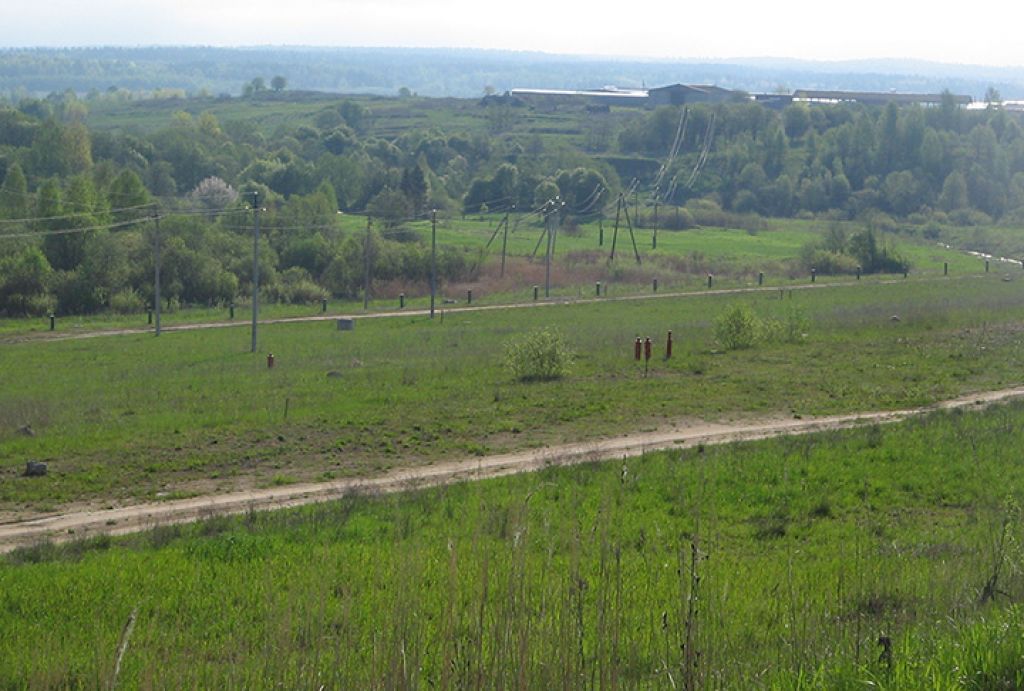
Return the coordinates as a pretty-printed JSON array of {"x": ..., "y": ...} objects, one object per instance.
[{"x": 142, "y": 516}]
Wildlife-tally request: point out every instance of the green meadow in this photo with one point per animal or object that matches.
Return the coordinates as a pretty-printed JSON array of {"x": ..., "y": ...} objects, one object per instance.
[
  {"x": 885, "y": 557},
  {"x": 124, "y": 418}
]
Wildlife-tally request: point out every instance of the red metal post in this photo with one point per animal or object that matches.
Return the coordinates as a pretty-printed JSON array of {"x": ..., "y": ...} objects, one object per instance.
[{"x": 636, "y": 348}]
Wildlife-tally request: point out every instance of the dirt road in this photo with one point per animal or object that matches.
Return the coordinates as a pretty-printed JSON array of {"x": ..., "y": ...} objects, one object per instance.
[
  {"x": 142, "y": 516},
  {"x": 52, "y": 336}
]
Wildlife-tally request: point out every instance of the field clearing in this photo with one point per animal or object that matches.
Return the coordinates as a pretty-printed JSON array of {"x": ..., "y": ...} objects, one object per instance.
[
  {"x": 137, "y": 418},
  {"x": 772, "y": 564}
]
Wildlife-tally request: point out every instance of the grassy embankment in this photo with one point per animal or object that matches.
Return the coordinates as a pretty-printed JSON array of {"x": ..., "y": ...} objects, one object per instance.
[
  {"x": 133, "y": 417},
  {"x": 775, "y": 564}
]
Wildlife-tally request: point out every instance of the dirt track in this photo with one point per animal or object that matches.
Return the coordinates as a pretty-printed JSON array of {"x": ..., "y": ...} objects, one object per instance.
[
  {"x": 142, "y": 516},
  {"x": 52, "y": 336}
]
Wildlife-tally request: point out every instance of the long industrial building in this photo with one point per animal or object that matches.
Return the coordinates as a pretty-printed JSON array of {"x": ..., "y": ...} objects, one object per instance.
[{"x": 686, "y": 94}]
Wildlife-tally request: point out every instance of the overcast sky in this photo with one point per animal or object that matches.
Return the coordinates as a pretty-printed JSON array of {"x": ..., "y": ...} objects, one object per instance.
[{"x": 978, "y": 32}]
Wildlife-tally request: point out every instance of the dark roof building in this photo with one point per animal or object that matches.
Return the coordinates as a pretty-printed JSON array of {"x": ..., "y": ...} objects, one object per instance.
[
  {"x": 685, "y": 94},
  {"x": 776, "y": 101}
]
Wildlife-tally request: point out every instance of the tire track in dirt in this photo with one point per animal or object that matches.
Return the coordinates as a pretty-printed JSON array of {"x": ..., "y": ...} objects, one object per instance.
[{"x": 134, "y": 518}]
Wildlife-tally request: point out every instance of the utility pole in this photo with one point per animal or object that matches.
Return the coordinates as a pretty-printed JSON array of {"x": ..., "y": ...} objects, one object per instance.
[
  {"x": 654, "y": 244},
  {"x": 366, "y": 265},
  {"x": 552, "y": 220},
  {"x": 156, "y": 269},
  {"x": 504, "y": 243},
  {"x": 615, "y": 233},
  {"x": 255, "y": 265},
  {"x": 632, "y": 236},
  {"x": 433, "y": 260}
]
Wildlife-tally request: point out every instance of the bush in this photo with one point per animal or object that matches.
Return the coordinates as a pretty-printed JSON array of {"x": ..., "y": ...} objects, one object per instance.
[
  {"x": 707, "y": 212},
  {"x": 540, "y": 355},
  {"x": 738, "y": 328},
  {"x": 675, "y": 218},
  {"x": 791, "y": 329},
  {"x": 296, "y": 287},
  {"x": 18, "y": 305},
  {"x": 126, "y": 301},
  {"x": 825, "y": 262},
  {"x": 969, "y": 217}
]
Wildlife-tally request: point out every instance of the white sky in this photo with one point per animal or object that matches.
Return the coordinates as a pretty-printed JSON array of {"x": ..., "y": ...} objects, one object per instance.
[{"x": 979, "y": 32}]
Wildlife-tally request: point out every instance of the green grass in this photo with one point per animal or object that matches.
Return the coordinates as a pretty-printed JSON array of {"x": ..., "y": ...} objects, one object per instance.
[
  {"x": 775, "y": 564},
  {"x": 134, "y": 416}
]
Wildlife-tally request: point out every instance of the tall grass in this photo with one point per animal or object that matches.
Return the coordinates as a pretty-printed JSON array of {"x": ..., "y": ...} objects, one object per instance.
[{"x": 775, "y": 564}]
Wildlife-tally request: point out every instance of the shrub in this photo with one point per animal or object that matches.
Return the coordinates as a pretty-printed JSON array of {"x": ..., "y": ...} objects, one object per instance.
[
  {"x": 540, "y": 355},
  {"x": 296, "y": 287},
  {"x": 738, "y": 328},
  {"x": 826, "y": 262},
  {"x": 969, "y": 217},
  {"x": 126, "y": 301},
  {"x": 792, "y": 328},
  {"x": 675, "y": 218}
]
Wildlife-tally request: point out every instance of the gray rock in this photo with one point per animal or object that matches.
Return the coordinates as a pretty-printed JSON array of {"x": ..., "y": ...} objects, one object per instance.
[{"x": 35, "y": 469}]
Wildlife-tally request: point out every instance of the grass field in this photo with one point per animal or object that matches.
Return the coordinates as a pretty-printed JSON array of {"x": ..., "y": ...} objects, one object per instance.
[
  {"x": 132, "y": 417},
  {"x": 882, "y": 557}
]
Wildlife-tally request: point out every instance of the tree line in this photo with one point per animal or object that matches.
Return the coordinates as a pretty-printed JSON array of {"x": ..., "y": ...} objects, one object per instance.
[{"x": 76, "y": 204}]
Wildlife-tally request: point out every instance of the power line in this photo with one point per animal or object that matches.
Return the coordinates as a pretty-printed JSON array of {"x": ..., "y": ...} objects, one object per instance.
[
  {"x": 77, "y": 214},
  {"x": 71, "y": 231},
  {"x": 93, "y": 228}
]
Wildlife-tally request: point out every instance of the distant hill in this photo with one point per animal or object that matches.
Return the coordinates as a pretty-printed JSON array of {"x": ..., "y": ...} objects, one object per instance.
[{"x": 460, "y": 72}]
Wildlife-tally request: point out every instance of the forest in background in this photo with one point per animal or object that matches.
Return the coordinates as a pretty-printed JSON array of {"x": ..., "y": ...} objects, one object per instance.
[
  {"x": 76, "y": 198},
  {"x": 461, "y": 73}
]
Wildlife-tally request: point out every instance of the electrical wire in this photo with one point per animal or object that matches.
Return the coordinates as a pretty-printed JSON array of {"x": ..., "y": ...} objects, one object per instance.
[
  {"x": 78, "y": 214},
  {"x": 72, "y": 231}
]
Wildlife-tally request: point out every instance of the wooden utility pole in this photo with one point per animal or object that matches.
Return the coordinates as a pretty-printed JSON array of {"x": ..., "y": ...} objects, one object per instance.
[
  {"x": 504, "y": 243},
  {"x": 615, "y": 231},
  {"x": 654, "y": 243},
  {"x": 255, "y": 265},
  {"x": 433, "y": 260},
  {"x": 632, "y": 235},
  {"x": 502, "y": 226},
  {"x": 156, "y": 269},
  {"x": 550, "y": 218},
  {"x": 366, "y": 264}
]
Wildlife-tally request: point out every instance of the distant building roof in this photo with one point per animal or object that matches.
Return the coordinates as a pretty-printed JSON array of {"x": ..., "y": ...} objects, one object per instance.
[
  {"x": 875, "y": 97},
  {"x": 607, "y": 92}
]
